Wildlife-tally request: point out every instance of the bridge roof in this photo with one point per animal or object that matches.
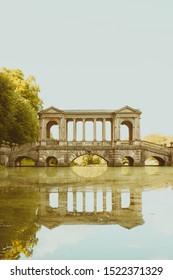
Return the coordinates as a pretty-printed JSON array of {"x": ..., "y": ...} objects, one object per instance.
[
  {"x": 54, "y": 110},
  {"x": 88, "y": 111}
]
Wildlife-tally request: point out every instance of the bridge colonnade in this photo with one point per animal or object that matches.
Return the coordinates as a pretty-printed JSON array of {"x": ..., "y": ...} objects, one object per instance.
[
  {"x": 125, "y": 116},
  {"x": 64, "y": 151}
]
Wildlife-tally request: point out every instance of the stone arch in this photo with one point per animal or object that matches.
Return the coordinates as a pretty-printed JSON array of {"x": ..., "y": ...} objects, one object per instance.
[
  {"x": 160, "y": 160},
  {"x": 129, "y": 124},
  {"x": 24, "y": 161},
  {"x": 49, "y": 125},
  {"x": 128, "y": 160},
  {"x": 51, "y": 161},
  {"x": 82, "y": 153}
]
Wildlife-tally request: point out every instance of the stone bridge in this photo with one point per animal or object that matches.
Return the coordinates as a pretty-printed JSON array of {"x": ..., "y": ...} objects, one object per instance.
[
  {"x": 111, "y": 147},
  {"x": 135, "y": 152}
]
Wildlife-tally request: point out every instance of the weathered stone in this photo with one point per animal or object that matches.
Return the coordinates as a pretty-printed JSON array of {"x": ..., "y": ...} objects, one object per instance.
[{"x": 64, "y": 151}]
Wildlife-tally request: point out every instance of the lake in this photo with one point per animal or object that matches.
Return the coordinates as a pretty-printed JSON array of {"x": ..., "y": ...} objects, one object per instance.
[{"x": 86, "y": 213}]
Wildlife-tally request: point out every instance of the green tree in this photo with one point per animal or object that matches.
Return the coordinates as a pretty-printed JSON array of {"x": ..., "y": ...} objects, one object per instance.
[
  {"x": 91, "y": 159},
  {"x": 19, "y": 103},
  {"x": 26, "y": 88},
  {"x": 7, "y": 107},
  {"x": 25, "y": 127},
  {"x": 159, "y": 139}
]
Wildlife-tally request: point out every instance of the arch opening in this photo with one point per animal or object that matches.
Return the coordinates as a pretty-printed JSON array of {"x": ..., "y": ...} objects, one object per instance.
[
  {"x": 108, "y": 134},
  {"x": 69, "y": 130},
  {"x": 24, "y": 161},
  {"x": 52, "y": 130},
  {"x": 89, "y": 160},
  {"x": 51, "y": 161},
  {"x": 155, "y": 161},
  {"x": 89, "y": 130},
  {"x": 99, "y": 133},
  {"x": 79, "y": 130},
  {"x": 126, "y": 133},
  {"x": 127, "y": 161}
]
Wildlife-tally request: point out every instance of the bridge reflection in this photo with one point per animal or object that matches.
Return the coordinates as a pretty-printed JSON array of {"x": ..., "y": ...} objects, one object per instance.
[{"x": 89, "y": 205}]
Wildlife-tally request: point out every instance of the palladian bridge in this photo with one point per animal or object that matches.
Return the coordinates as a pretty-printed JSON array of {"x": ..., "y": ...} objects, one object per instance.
[{"x": 69, "y": 145}]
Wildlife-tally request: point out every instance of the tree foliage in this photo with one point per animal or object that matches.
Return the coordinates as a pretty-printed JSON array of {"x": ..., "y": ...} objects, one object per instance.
[
  {"x": 19, "y": 103},
  {"x": 159, "y": 139},
  {"x": 89, "y": 160},
  {"x": 26, "y": 88},
  {"x": 7, "y": 106}
]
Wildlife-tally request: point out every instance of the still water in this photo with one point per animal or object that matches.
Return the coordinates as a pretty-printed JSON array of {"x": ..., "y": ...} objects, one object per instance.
[{"x": 86, "y": 213}]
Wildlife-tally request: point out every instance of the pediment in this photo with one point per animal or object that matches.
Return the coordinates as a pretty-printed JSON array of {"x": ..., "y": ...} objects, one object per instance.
[
  {"x": 51, "y": 110},
  {"x": 128, "y": 109}
]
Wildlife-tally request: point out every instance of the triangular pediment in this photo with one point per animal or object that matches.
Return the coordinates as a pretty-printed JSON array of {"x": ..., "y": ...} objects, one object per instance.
[
  {"x": 51, "y": 110},
  {"x": 128, "y": 109}
]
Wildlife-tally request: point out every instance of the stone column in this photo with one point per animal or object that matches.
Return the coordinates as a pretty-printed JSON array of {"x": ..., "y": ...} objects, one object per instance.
[
  {"x": 65, "y": 129},
  {"x": 94, "y": 129},
  {"x": 74, "y": 129},
  {"x": 40, "y": 135},
  {"x": 62, "y": 129},
  {"x": 43, "y": 130},
  {"x": 103, "y": 130},
  {"x": 112, "y": 130},
  {"x": 134, "y": 126},
  {"x": 115, "y": 129},
  {"x": 137, "y": 129},
  {"x": 83, "y": 131}
]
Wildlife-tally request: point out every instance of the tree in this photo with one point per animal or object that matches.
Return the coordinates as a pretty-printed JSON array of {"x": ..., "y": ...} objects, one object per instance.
[
  {"x": 159, "y": 139},
  {"x": 19, "y": 103},
  {"x": 25, "y": 127},
  {"x": 91, "y": 159},
  {"x": 26, "y": 88},
  {"x": 7, "y": 106}
]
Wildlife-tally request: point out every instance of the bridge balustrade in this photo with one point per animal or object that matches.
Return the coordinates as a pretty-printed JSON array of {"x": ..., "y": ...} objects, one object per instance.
[{"x": 155, "y": 146}]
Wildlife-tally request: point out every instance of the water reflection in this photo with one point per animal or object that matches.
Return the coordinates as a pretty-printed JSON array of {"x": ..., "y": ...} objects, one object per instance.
[
  {"x": 66, "y": 205},
  {"x": 18, "y": 226},
  {"x": 93, "y": 205},
  {"x": 137, "y": 177}
]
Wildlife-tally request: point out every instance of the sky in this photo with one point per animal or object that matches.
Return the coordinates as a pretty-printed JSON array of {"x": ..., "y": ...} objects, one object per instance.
[{"x": 95, "y": 54}]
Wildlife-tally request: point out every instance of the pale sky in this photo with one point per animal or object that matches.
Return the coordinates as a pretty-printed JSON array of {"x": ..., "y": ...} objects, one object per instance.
[{"x": 95, "y": 54}]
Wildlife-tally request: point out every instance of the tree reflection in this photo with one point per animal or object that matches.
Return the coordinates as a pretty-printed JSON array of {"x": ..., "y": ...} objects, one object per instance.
[{"x": 18, "y": 225}]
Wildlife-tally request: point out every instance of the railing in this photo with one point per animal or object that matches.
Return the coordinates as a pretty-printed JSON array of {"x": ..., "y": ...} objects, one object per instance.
[
  {"x": 155, "y": 146},
  {"x": 91, "y": 143},
  {"x": 125, "y": 142},
  {"x": 15, "y": 147}
]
